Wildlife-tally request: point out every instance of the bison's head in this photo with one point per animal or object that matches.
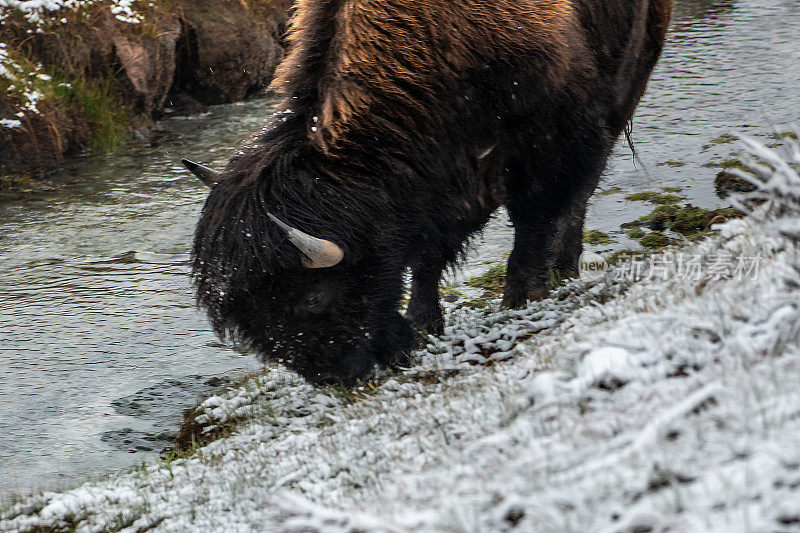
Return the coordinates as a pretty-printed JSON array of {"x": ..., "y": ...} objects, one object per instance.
[{"x": 295, "y": 298}]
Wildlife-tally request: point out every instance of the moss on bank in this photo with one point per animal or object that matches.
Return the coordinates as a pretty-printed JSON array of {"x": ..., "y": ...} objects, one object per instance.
[
  {"x": 86, "y": 75},
  {"x": 107, "y": 115},
  {"x": 666, "y": 197},
  {"x": 492, "y": 281},
  {"x": 13, "y": 182},
  {"x": 597, "y": 237}
]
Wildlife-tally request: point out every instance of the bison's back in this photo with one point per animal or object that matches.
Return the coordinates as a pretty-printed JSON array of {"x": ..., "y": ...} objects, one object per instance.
[
  {"x": 403, "y": 67},
  {"x": 356, "y": 60}
]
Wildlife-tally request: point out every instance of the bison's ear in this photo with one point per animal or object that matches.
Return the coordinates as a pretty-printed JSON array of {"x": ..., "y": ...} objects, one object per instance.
[
  {"x": 206, "y": 175},
  {"x": 318, "y": 253}
]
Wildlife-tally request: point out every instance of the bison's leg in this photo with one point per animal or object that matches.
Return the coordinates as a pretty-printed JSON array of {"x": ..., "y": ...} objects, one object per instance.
[
  {"x": 538, "y": 232},
  {"x": 571, "y": 246},
  {"x": 424, "y": 311},
  {"x": 548, "y": 222},
  {"x": 394, "y": 341}
]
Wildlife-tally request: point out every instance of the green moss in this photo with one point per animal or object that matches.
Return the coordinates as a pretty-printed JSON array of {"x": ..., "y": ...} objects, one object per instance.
[
  {"x": 688, "y": 220},
  {"x": 672, "y": 163},
  {"x": 725, "y": 138},
  {"x": 444, "y": 290},
  {"x": 731, "y": 162},
  {"x": 636, "y": 233},
  {"x": 623, "y": 255},
  {"x": 15, "y": 182},
  {"x": 492, "y": 280},
  {"x": 660, "y": 217},
  {"x": 779, "y": 136},
  {"x": 672, "y": 189},
  {"x": 655, "y": 239},
  {"x": 595, "y": 236},
  {"x": 653, "y": 197},
  {"x": 726, "y": 183},
  {"x": 609, "y": 191}
]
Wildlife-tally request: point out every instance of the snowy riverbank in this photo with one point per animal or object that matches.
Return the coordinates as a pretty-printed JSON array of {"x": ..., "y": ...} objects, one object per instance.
[
  {"x": 629, "y": 406},
  {"x": 88, "y": 76}
]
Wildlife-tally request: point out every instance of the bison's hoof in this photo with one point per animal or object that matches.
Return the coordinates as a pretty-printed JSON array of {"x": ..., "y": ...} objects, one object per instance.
[
  {"x": 430, "y": 325},
  {"x": 520, "y": 299},
  {"x": 427, "y": 318}
]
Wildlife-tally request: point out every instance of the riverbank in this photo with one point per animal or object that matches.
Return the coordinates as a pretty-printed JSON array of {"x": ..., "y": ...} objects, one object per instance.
[
  {"x": 91, "y": 75},
  {"x": 666, "y": 402}
]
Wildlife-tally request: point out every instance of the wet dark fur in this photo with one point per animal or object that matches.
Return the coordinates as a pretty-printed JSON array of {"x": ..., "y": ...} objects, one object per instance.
[{"x": 393, "y": 106}]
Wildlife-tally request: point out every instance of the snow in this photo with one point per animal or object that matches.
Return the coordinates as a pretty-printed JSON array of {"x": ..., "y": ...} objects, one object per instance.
[
  {"x": 21, "y": 76},
  {"x": 21, "y": 85},
  {"x": 40, "y": 12},
  {"x": 616, "y": 405}
]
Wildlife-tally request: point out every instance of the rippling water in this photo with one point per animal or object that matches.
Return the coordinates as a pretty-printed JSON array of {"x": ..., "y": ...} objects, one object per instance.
[{"x": 100, "y": 343}]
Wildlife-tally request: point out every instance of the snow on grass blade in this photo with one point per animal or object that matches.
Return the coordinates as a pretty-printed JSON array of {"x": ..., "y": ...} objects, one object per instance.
[{"x": 669, "y": 404}]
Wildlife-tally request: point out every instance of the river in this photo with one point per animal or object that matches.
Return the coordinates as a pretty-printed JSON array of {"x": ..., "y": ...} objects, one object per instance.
[{"x": 101, "y": 346}]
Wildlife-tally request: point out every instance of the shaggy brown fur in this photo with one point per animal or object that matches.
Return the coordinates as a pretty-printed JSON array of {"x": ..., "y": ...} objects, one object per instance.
[
  {"x": 406, "y": 50},
  {"x": 407, "y": 123}
]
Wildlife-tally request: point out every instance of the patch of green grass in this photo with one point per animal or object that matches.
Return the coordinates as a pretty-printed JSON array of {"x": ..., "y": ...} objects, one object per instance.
[
  {"x": 358, "y": 392},
  {"x": 595, "y": 237},
  {"x": 660, "y": 198},
  {"x": 609, "y": 191},
  {"x": 672, "y": 189},
  {"x": 93, "y": 99},
  {"x": 492, "y": 280},
  {"x": 106, "y": 113},
  {"x": 557, "y": 280}
]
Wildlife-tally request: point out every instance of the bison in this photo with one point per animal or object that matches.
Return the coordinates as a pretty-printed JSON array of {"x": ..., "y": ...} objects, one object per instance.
[{"x": 406, "y": 124}]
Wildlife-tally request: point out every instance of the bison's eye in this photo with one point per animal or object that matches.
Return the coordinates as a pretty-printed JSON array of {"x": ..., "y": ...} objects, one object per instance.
[{"x": 314, "y": 302}]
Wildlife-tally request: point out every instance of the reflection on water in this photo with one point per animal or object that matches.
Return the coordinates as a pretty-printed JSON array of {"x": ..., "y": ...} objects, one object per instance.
[
  {"x": 95, "y": 298},
  {"x": 687, "y": 12}
]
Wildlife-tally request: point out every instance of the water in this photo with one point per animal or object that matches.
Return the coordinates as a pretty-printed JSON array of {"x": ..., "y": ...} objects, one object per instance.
[
  {"x": 728, "y": 67},
  {"x": 100, "y": 344}
]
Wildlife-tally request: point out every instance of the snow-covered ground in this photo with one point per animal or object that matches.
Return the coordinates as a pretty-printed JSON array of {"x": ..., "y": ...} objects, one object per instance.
[{"x": 665, "y": 404}]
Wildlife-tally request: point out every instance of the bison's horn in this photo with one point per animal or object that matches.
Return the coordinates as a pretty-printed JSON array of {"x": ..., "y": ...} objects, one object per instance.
[
  {"x": 319, "y": 253},
  {"x": 206, "y": 175}
]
